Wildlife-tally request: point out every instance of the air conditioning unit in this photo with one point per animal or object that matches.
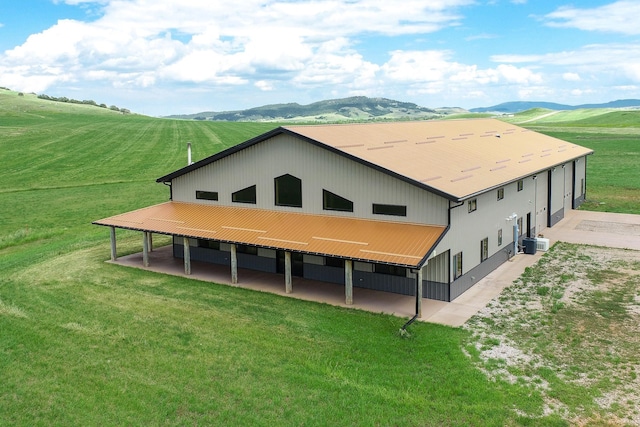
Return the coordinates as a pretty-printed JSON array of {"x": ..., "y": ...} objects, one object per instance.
[{"x": 542, "y": 244}]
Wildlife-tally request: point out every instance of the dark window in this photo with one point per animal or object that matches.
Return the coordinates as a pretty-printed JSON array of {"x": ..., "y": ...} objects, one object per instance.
[
  {"x": 500, "y": 193},
  {"x": 520, "y": 185},
  {"x": 288, "y": 191},
  {"x": 246, "y": 195},
  {"x": 473, "y": 205},
  {"x": 393, "y": 270},
  {"x": 333, "y": 202},
  {"x": 211, "y": 244},
  {"x": 206, "y": 195},
  {"x": 334, "y": 262},
  {"x": 457, "y": 265},
  {"x": 500, "y": 237},
  {"x": 484, "y": 249},
  {"x": 396, "y": 210},
  {"x": 244, "y": 249}
]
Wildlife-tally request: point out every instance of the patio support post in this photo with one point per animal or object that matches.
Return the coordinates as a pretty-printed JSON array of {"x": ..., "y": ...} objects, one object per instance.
[
  {"x": 419, "y": 293},
  {"x": 187, "y": 255},
  {"x": 150, "y": 236},
  {"x": 114, "y": 253},
  {"x": 145, "y": 249},
  {"x": 288, "y": 287},
  {"x": 348, "y": 281},
  {"x": 234, "y": 264}
]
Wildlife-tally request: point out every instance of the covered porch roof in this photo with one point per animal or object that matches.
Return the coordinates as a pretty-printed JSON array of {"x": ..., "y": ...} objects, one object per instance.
[{"x": 387, "y": 242}]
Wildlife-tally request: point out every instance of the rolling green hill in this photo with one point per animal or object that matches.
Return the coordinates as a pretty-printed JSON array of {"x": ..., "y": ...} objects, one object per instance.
[
  {"x": 84, "y": 342},
  {"x": 357, "y": 108}
]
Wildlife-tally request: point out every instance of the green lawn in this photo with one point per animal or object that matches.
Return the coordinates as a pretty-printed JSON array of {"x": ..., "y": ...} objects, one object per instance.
[{"x": 83, "y": 342}]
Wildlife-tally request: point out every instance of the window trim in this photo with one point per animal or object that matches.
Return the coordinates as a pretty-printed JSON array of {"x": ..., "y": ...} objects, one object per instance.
[
  {"x": 500, "y": 193},
  {"x": 328, "y": 194},
  {"x": 520, "y": 184},
  {"x": 457, "y": 265},
  {"x": 484, "y": 249},
  {"x": 207, "y": 195},
  {"x": 249, "y": 189},
  {"x": 392, "y": 210},
  {"x": 296, "y": 193},
  {"x": 500, "y": 237},
  {"x": 520, "y": 223},
  {"x": 473, "y": 205}
]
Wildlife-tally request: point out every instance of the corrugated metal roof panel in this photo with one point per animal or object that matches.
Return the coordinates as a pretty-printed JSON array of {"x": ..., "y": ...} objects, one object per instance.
[
  {"x": 375, "y": 241},
  {"x": 456, "y": 157}
]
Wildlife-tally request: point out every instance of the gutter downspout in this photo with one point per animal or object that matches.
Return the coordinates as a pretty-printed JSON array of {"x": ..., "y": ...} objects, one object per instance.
[
  {"x": 168, "y": 184},
  {"x": 423, "y": 263},
  {"x": 403, "y": 330}
]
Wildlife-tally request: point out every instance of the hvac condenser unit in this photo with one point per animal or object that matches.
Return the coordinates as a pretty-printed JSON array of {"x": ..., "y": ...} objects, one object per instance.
[{"x": 542, "y": 244}]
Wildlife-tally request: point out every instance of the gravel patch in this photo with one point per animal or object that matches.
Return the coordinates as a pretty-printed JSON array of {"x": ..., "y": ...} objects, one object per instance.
[{"x": 570, "y": 323}]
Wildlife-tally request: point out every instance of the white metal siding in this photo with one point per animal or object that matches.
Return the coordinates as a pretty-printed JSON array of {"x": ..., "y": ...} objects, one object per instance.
[
  {"x": 468, "y": 229},
  {"x": 542, "y": 201},
  {"x": 568, "y": 186},
  {"x": 318, "y": 169},
  {"x": 437, "y": 268},
  {"x": 581, "y": 174},
  {"x": 557, "y": 194}
]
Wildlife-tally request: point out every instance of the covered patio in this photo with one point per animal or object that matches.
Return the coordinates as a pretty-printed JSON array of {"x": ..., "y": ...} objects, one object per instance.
[
  {"x": 615, "y": 230},
  {"x": 351, "y": 240},
  {"x": 456, "y": 313}
]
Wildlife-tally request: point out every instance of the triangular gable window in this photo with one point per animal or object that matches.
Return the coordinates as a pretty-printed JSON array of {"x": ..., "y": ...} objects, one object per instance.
[
  {"x": 246, "y": 195},
  {"x": 333, "y": 202}
]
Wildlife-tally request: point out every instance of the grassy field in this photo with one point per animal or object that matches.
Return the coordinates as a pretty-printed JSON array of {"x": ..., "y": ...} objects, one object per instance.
[
  {"x": 83, "y": 342},
  {"x": 613, "y": 181}
]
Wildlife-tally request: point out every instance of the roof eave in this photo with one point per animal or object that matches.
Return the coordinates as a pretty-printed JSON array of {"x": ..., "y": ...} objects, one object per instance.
[{"x": 495, "y": 187}]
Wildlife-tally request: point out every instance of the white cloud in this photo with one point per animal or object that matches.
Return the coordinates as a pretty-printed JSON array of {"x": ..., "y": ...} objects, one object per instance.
[
  {"x": 571, "y": 77},
  {"x": 419, "y": 66},
  {"x": 618, "y": 17},
  {"x": 299, "y": 49},
  {"x": 143, "y": 43},
  {"x": 264, "y": 85},
  {"x": 602, "y": 59},
  {"x": 435, "y": 66}
]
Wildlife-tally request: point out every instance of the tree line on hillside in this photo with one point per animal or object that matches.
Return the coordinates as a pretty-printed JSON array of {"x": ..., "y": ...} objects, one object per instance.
[{"x": 85, "y": 102}]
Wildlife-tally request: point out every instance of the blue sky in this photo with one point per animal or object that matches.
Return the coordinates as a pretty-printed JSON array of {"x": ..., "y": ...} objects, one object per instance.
[{"x": 161, "y": 57}]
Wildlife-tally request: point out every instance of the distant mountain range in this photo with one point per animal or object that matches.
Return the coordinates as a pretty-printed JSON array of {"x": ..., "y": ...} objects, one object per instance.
[
  {"x": 362, "y": 108},
  {"x": 516, "y": 107},
  {"x": 347, "y": 109}
]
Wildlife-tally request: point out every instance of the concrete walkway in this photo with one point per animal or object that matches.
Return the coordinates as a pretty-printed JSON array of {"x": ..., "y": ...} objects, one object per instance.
[{"x": 594, "y": 228}]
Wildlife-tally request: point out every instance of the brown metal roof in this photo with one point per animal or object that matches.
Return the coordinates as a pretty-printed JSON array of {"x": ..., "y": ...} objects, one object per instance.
[
  {"x": 359, "y": 239},
  {"x": 456, "y": 157}
]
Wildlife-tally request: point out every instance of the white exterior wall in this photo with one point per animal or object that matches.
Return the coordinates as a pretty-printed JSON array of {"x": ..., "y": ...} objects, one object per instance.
[
  {"x": 468, "y": 229},
  {"x": 568, "y": 186},
  {"x": 556, "y": 175},
  {"x": 542, "y": 201},
  {"x": 581, "y": 174},
  {"x": 318, "y": 169}
]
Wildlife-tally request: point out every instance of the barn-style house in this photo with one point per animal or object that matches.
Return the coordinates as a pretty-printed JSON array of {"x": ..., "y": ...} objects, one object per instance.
[{"x": 424, "y": 208}]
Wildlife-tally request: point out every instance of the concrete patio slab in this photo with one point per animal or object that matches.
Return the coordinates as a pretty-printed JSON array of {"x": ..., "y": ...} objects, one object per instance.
[{"x": 583, "y": 227}]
